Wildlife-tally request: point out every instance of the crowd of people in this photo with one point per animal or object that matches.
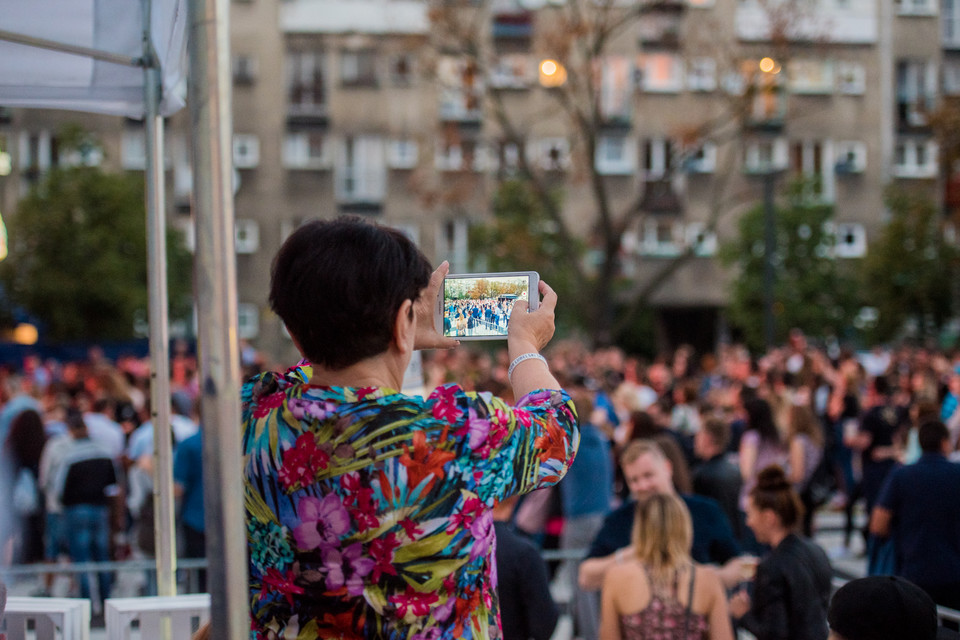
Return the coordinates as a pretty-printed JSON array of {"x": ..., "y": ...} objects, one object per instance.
[
  {"x": 76, "y": 467},
  {"x": 489, "y": 317},
  {"x": 682, "y": 486}
]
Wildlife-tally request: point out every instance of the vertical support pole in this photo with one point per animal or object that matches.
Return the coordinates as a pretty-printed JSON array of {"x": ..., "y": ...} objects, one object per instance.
[
  {"x": 159, "y": 329},
  {"x": 216, "y": 294},
  {"x": 769, "y": 249}
]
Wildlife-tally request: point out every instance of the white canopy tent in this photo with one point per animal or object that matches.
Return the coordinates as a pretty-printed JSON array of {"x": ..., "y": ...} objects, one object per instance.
[{"x": 127, "y": 58}]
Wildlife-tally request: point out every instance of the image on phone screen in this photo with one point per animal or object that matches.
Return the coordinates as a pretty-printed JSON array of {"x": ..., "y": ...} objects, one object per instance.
[{"x": 478, "y": 306}]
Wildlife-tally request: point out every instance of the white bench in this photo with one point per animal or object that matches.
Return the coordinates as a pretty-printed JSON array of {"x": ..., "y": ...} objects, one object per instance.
[
  {"x": 53, "y": 618},
  {"x": 186, "y": 613}
]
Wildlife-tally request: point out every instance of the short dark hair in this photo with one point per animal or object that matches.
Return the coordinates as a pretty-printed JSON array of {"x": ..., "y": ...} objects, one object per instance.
[
  {"x": 931, "y": 435},
  {"x": 338, "y": 284},
  {"x": 882, "y": 386},
  {"x": 718, "y": 431}
]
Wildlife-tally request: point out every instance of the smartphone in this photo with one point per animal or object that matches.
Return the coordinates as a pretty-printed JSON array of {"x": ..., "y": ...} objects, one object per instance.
[{"x": 477, "y": 306}]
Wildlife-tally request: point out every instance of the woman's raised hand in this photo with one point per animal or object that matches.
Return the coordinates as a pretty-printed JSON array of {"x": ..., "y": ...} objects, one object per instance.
[
  {"x": 531, "y": 331},
  {"x": 427, "y": 336}
]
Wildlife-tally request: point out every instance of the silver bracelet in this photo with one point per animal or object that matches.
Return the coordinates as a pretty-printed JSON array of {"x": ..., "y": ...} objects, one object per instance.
[{"x": 521, "y": 358}]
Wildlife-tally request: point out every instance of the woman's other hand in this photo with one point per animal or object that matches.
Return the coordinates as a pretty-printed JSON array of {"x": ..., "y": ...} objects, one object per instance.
[
  {"x": 739, "y": 604},
  {"x": 427, "y": 336}
]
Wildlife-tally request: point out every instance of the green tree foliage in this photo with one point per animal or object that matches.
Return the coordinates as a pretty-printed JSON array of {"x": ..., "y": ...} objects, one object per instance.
[
  {"x": 908, "y": 272},
  {"x": 813, "y": 290},
  {"x": 78, "y": 255},
  {"x": 521, "y": 237}
]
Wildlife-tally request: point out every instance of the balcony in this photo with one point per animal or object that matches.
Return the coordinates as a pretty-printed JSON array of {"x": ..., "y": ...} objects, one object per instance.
[
  {"x": 660, "y": 198},
  {"x": 513, "y": 26}
]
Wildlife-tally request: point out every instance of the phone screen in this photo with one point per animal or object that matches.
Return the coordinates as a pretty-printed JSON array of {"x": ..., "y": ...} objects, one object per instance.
[{"x": 479, "y": 306}]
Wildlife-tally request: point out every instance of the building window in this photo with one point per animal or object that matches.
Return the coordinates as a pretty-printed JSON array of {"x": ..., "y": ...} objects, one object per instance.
[
  {"x": 850, "y": 240},
  {"x": 951, "y": 77},
  {"x": 811, "y": 76},
  {"x": 702, "y": 74},
  {"x": 553, "y": 154},
  {"x": 661, "y": 72},
  {"x": 358, "y": 68},
  {"x": 512, "y": 71},
  {"x": 916, "y": 91},
  {"x": 657, "y": 158},
  {"x": 460, "y": 89},
  {"x": 811, "y": 159},
  {"x": 916, "y": 7},
  {"x": 246, "y": 151},
  {"x": 306, "y": 83},
  {"x": 701, "y": 159},
  {"x": 851, "y": 78},
  {"x": 614, "y": 77},
  {"x": 402, "y": 154},
  {"x": 244, "y": 69},
  {"x": 248, "y": 321},
  {"x": 703, "y": 242},
  {"x": 401, "y": 69},
  {"x": 950, "y": 23},
  {"x": 452, "y": 245},
  {"x": 307, "y": 150},
  {"x": 915, "y": 159},
  {"x": 766, "y": 155},
  {"x": 361, "y": 170},
  {"x": 616, "y": 155},
  {"x": 246, "y": 236},
  {"x": 851, "y": 157},
  {"x": 661, "y": 238},
  {"x": 133, "y": 149}
]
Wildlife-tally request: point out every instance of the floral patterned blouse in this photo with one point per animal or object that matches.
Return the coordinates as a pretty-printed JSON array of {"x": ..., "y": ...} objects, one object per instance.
[{"x": 369, "y": 512}]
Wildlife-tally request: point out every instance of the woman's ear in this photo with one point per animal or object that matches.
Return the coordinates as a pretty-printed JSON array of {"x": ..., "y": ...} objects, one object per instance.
[{"x": 405, "y": 327}]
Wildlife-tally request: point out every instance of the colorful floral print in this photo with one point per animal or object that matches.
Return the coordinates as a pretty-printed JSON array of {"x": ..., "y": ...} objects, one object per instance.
[{"x": 369, "y": 512}]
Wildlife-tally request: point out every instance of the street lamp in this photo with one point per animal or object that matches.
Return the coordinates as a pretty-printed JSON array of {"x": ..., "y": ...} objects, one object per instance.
[{"x": 552, "y": 74}]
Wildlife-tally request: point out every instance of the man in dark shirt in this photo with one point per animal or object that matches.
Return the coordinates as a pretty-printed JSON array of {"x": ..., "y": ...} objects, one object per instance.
[
  {"x": 86, "y": 484},
  {"x": 717, "y": 477},
  {"x": 919, "y": 506},
  {"x": 648, "y": 472},
  {"x": 527, "y": 610}
]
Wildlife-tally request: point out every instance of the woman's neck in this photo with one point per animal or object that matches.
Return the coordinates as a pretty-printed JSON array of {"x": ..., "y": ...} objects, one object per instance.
[
  {"x": 776, "y": 537},
  {"x": 378, "y": 371}
]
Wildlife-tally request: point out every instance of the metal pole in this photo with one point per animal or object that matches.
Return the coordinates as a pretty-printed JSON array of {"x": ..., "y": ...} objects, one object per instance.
[
  {"x": 769, "y": 249},
  {"x": 216, "y": 294},
  {"x": 86, "y": 52},
  {"x": 159, "y": 329}
]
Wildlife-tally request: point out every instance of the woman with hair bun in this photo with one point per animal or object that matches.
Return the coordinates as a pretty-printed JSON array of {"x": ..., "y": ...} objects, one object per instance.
[{"x": 791, "y": 589}]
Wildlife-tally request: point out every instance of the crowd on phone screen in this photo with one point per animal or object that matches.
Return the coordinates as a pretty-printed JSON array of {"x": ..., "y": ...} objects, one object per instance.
[
  {"x": 481, "y": 317},
  {"x": 741, "y": 437}
]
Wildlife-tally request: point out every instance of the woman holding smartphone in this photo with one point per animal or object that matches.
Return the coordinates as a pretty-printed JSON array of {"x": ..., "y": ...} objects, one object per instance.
[{"x": 369, "y": 511}]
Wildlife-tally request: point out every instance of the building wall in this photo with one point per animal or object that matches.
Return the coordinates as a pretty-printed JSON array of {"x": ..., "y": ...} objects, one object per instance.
[{"x": 374, "y": 139}]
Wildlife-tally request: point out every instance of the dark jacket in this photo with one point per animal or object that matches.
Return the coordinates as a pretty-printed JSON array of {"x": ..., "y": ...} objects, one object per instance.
[
  {"x": 527, "y": 609},
  {"x": 791, "y": 593},
  {"x": 717, "y": 478}
]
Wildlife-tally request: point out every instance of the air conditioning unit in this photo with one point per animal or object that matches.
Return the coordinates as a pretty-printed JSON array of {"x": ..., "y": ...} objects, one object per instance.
[
  {"x": 704, "y": 242},
  {"x": 553, "y": 154},
  {"x": 851, "y": 240},
  {"x": 851, "y": 157},
  {"x": 703, "y": 159}
]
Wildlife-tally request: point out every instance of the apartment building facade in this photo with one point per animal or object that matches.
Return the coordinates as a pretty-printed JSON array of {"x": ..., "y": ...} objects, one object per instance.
[{"x": 366, "y": 107}]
